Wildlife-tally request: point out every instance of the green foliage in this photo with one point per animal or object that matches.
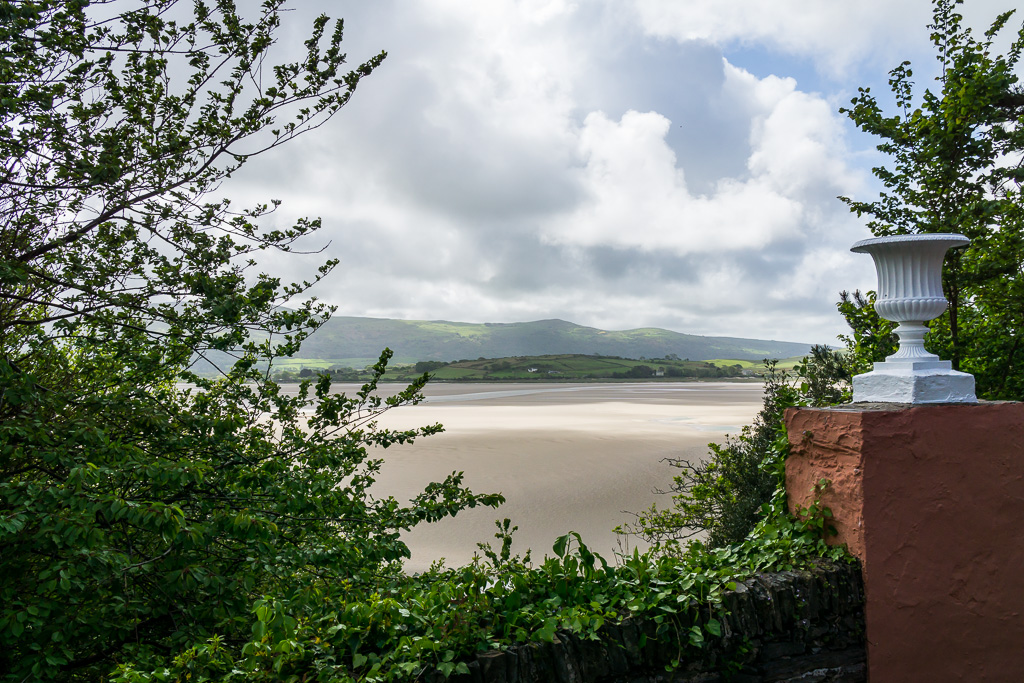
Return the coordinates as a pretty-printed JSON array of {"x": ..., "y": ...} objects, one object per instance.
[
  {"x": 571, "y": 366},
  {"x": 639, "y": 372},
  {"x": 954, "y": 152},
  {"x": 825, "y": 377},
  {"x": 722, "y": 495},
  {"x": 434, "y": 622},
  {"x": 727, "y": 495},
  {"x": 139, "y": 516},
  {"x": 155, "y": 516},
  {"x": 224, "y": 530},
  {"x": 428, "y": 366},
  {"x": 113, "y": 131},
  {"x": 872, "y": 337}
]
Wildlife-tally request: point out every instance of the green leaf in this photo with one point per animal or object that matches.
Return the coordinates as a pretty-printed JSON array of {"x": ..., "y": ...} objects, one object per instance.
[
  {"x": 547, "y": 632},
  {"x": 560, "y": 545}
]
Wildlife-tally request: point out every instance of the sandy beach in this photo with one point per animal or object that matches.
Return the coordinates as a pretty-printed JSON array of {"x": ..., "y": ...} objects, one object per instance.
[{"x": 566, "y": 456}]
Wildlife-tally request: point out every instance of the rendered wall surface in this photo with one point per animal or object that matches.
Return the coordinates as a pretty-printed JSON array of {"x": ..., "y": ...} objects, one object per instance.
[{"x": 931, "y": 498}]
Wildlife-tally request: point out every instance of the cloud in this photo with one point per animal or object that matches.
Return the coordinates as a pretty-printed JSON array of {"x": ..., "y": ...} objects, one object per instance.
[
  {"x": 637, "y": 196},
  {"x": 836, "y": 36},
  {"x": 527, "y": 160}
]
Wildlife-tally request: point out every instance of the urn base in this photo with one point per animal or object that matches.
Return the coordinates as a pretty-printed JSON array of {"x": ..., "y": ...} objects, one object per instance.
[{"x": 915, "y": 381}]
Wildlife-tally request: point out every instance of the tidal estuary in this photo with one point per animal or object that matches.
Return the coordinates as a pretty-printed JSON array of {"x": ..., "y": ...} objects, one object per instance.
[{"x": 566, "y": 456}]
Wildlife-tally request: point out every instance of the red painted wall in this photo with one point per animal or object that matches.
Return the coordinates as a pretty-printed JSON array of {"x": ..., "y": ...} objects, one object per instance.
[{"x": 931, "y": 498}]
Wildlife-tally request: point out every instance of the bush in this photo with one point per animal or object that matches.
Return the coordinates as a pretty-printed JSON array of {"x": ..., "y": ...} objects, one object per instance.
[
  {"x": 428, "y": 366},
  {"x": 409, "y": 627},
  {"x": 725, "y": 496},
  {"x": 139, "y": 517},
  {"x": 639, "y": 372}
]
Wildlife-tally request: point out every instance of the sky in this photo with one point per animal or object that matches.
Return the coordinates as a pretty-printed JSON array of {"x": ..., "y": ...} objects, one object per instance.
[{"x": 614, "y": 163}]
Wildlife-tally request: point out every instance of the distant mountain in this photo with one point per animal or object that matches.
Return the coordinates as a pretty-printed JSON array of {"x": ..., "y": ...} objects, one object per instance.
[{"x": 414, "y": 340}]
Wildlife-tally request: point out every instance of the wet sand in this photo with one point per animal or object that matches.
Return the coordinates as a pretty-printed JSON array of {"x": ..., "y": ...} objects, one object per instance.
[{"x": 566, "y": 456}]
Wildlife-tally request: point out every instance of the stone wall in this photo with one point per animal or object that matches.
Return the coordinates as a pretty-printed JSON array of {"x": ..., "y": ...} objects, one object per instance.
[{"x": 805, "y": 626}]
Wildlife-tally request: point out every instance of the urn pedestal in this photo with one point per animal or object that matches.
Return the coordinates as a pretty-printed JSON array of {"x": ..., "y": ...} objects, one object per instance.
[{"x": 909, "y": 271}]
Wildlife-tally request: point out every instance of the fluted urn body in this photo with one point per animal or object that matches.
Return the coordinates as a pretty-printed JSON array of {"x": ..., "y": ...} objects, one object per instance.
[{"x": 909, "y": 269}]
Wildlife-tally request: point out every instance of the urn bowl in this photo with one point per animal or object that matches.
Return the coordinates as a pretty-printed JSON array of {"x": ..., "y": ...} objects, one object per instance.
[{"x": 909, "y": 271}]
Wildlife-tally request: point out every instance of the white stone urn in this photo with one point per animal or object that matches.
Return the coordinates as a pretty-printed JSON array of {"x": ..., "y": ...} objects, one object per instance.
[{"x": 909, "y": 271}]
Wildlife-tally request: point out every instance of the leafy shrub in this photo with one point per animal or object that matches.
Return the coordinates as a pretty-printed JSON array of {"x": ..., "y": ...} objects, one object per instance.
[
  {"x": 639, "y": 371},
  {"x": 428, "y": 365},
  {"x": 139, "y": 517},
  {"x": 872, "y": 338},
  {"x": 725, "y": 496},
  {"x": 135, "y": 519},
  {"x": 410, "y": 626}
]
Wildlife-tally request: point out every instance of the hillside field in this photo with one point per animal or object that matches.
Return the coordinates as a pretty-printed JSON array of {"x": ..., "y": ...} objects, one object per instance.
[
  {"x": 553, "y": 367},
  {"x": 362, "y": 339}
]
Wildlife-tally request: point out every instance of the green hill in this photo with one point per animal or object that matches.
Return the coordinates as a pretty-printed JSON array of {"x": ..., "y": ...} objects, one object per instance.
[{"x": 357, "y": 341}]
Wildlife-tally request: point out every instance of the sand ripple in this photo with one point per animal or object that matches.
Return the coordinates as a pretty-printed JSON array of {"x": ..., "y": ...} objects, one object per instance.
[{"x": 566, "y": 457}]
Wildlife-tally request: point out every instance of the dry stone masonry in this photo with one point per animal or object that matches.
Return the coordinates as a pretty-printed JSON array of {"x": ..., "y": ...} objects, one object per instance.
[{"x": 805, "y": 626}]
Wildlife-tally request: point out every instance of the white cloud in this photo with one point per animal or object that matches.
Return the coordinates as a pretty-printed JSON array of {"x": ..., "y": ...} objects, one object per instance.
[
  {"x": 637, "y": 197},
  {"x": 797, "y": 138},
  {"x": 835, "y": 35},
  {"x": 502, "y": 166}
]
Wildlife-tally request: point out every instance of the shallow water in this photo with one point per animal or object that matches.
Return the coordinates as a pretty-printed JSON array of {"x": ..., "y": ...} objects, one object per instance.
[{"x": 566, "y": 456}]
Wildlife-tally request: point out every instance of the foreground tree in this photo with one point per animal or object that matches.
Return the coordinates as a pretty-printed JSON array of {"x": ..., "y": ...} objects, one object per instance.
[
  {"x": 955, "y": 154},
  {"x": 137, "y": 517}
]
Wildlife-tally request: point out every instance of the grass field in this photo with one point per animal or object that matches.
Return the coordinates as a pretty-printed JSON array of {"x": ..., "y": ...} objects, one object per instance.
[
  {"x": 574, "y": 366},
  {"x": 296, "y": 364},
  {"x": 758, "y": 366},
  {"x": 546, "y": 368}
]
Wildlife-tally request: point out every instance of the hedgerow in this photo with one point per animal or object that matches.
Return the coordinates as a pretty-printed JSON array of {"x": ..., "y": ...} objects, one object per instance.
[{"x": 406, "y": 626}]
